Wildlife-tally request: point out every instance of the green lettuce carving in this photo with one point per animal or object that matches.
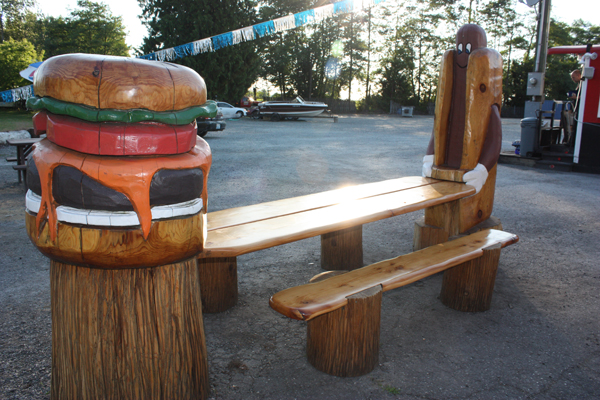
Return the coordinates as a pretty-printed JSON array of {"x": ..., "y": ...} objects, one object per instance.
[{"x": 182, "y": 117}]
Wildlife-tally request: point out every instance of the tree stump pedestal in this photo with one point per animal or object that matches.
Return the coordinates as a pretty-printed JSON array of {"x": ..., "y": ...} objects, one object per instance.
[{"x": 127, "y": 333}]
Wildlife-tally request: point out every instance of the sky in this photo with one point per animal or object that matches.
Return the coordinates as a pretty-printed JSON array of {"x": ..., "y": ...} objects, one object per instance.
[{"x": 563, "y": 10}]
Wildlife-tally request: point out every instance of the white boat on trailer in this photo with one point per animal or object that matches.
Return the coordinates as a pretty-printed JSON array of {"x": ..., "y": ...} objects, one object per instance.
[{"x": 289, "y": 109}]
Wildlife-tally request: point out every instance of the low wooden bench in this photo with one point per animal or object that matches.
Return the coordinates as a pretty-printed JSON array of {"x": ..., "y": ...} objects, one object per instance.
[
  {"x": 336, "y": 215},
  {"x": 343, "y": 311}
]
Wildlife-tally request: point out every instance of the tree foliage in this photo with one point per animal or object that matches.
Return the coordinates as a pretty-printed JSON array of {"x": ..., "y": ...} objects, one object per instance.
[
  {"x": 228, "y": 72},
  {"x": 91, "y": 28},
  {"x": 15, "y": 56}
]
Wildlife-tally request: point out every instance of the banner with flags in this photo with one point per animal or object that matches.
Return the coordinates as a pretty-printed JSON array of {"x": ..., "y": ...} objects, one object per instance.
[
  {"x": 263, "y": 29},
  {"x": 217, "y": 42}
]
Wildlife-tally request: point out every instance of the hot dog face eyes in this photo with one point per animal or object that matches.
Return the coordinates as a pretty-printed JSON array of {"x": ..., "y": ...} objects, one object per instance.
[{"x": 469, "y": 38}]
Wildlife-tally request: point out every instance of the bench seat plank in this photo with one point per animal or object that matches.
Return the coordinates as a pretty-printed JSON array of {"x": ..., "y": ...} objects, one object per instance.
[
  {"x": 243, "y": 215},
  {"x": 311, "y": 300},
  {"x": 241, "y": 239}
]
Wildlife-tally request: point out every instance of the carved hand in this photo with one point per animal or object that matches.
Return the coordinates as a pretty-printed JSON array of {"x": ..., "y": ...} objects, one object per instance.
[
  {"x": 476, "y": 177},
  {"x": 427, "y": 165}
]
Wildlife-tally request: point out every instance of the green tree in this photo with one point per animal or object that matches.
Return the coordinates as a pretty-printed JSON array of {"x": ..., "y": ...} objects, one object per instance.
[
  {"x": 12, "y": 13},
  {"x": 15, "y": 56},
  {"x": 228, "y": 72},
  {"x": 91, "y": 28}
]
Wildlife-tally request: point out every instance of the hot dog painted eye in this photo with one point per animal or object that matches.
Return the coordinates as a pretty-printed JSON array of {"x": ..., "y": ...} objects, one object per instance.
[
  {"x": 468, "y": 48},
  {"x": 459, "y": 48}
]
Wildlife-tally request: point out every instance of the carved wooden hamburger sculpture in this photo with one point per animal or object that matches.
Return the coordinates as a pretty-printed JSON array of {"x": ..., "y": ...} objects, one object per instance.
[
  {"x": 117, "y": 200},
  {"x": 120, "y": 181}
]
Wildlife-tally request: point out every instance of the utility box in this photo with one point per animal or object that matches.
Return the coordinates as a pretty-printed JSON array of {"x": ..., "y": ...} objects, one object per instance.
[
  {"x": 535, "y": 84},
  {"x": 529, "y": 129}
]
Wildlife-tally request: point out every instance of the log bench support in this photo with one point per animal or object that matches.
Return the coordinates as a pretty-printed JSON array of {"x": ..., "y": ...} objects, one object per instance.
[
  {"x": 218, "y": 283},
  {"x": 127, "y": 333},
  {"x": 345, "y": 342},
  {"x": 342, "y": 250},
  {"x": 469, "y": 286},
  {"x": 343, "y": 310}
]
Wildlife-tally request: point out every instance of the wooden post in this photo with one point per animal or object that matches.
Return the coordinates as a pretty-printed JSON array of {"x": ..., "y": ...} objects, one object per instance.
[
  {"x": 218, "y": 283},
  {"x": 469, "y": 286},
  {"x": 127, "y": 334},
  {"x": 345, "y": 342},
  {"x": 342, "y": 250},
  {"x": 427, "y": 235}
]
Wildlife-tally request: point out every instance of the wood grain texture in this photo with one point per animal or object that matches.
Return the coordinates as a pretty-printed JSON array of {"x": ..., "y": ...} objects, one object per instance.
[
  {"x": 477, "y": 208},
  {"x": 444, "y": 216},
  {"x": 117, "y": 248},
  {"x": 73, "y": 78},
  {"x": 242, "y": 239},
  {"x": 447, "y": 174},
  {"x": 309, "y": 301},
  {"x": 219, "y": 284},
  {"x": 484, "y": 88},
  {"x": 127, "y": 334},
  {"x": 132, "y": 83},
  {"x": 469, "y": 286},
  {"x": 122, "y": 83},
  {"x": 342, "y": 250},
  {"x": 279, "y": 208},
  {"x": 442, "y": 107},
  {"x": 345, "y": 342},
  {"x": 186, "y": 91},
  {"x": 427, "y": 235}
]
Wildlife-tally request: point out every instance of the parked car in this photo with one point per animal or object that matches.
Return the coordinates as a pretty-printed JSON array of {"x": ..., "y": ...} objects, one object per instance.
[
  {"x": 211, "y": 124},
  {"x": 230, "y": 111}
]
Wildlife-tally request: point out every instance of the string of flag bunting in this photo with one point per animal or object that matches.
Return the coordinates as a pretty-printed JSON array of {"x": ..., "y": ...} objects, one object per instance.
[
  {"x": 237, "y": 36},
  {"x": 257, "y": 31}
]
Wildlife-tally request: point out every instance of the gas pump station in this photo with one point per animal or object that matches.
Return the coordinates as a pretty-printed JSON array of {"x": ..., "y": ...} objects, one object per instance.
[{"x": 540, "y": 145}]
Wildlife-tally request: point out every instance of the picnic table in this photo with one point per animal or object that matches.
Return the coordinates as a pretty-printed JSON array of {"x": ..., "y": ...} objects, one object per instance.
[{"x": 24, "y": 147}]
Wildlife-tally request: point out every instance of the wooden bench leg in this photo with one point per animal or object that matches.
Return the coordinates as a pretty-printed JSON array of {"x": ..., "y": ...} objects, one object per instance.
[
  {"x": 127, "y": 333},
  {"x": 428, "y": 235},
  {"x": 342, "y": 250},
  {"x": 345, "y": 342},
  {"x": 469, "y": 286},
  {"x": 218, "y": 283}
]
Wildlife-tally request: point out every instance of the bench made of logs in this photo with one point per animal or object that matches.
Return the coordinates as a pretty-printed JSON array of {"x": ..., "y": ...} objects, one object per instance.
[
  {"x": 336, "y": 215},
  {"x": 343, "y": 311}
]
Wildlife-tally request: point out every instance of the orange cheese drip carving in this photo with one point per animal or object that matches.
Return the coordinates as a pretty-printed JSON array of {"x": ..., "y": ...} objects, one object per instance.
[{"x": 131, "y": 176}]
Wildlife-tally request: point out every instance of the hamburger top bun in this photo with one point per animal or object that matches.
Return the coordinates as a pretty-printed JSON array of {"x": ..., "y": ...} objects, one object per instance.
[{"x": 110, "y": 82}]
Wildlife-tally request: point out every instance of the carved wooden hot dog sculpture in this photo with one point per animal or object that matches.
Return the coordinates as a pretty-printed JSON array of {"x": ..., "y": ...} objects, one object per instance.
[
  {"x": 467, "y": 134},
  {"x": 117, "y": 200}
]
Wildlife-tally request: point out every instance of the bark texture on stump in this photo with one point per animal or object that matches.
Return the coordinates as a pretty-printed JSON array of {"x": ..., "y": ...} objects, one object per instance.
[
  {"x": 345, "y": 342},
  {"x": 218, "y": 283},
  {"x": 342, "y": 250},
  {"x": 127, "y": 334},
  {"x": 427, "y": 235},
  {"x": 469, "y": 286}
]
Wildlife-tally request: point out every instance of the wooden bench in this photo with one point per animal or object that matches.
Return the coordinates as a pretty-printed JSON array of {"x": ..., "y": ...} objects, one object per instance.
[
  {"x": 343, "y": 311},
  {"x": 336, "y": 215}
]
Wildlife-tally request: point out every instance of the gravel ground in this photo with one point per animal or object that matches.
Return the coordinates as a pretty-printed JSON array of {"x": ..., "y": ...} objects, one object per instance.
[{"x": 540, "y": 339}]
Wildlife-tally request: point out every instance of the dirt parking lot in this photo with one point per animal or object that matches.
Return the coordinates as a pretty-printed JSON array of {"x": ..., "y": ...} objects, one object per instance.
[{"x": 539, "y": 340}]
